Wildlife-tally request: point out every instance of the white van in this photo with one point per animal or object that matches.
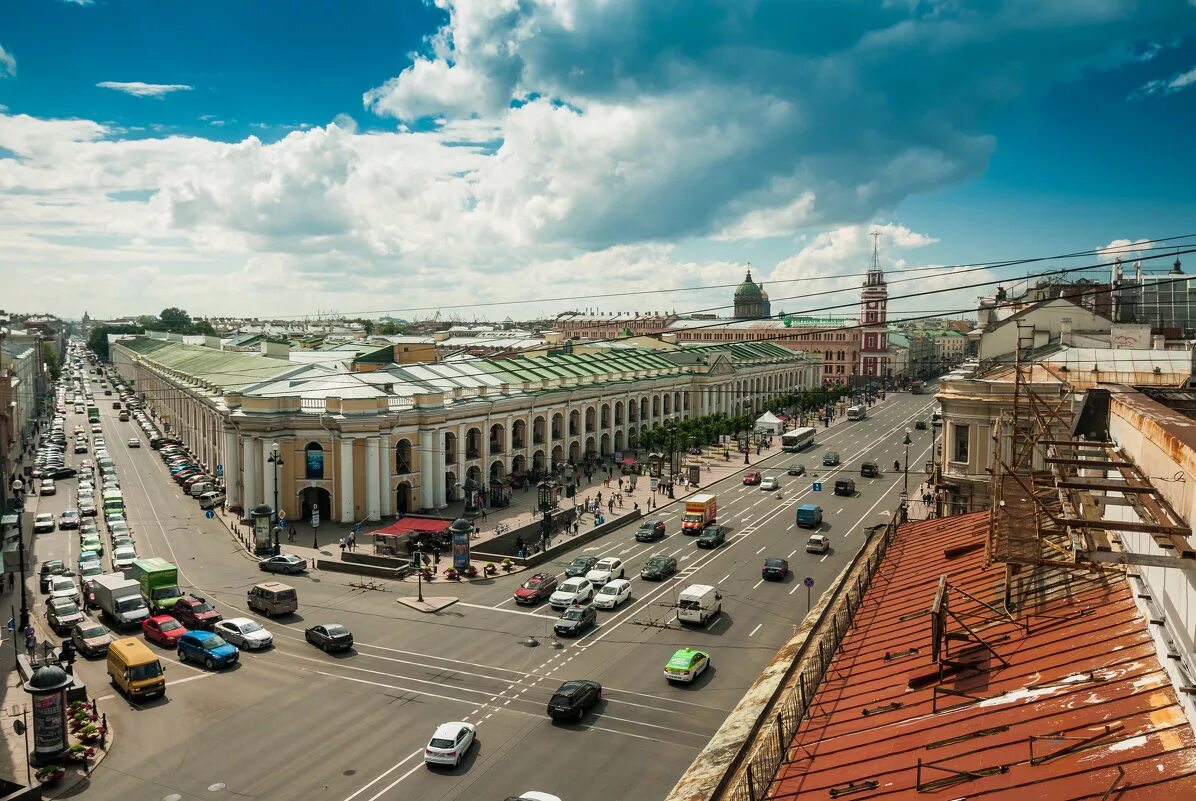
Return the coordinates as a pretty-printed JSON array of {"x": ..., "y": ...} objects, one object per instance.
[{"x": 698, "y": 603}]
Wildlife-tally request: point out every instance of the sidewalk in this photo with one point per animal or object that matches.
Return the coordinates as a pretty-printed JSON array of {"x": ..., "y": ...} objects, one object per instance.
[{"x": 326, "y": 543}]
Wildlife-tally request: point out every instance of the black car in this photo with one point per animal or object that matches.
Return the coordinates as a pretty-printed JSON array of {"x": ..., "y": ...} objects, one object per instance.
[
  {"x": 573, "y": 698},
  {"x": 845, "y": 487},
  {"x": 329, "y": 637},
  {"x": 712, "y": 537},
  {"x": 920, "y": 425},
  {"x": 797, "y": 470},
  {"x": 60, "y": 472},
  {"x": 49, "y": 569},
  {"x": 575, "y": 619},
  {"x": 659, "y": 568},
  {"x": 650, "y": 530},
  {"x": 775, "y": 568},
  {"x": 869, "y": 470},
  {"x": 580, "y": 566},
  {"x": 830, "y": 458}
]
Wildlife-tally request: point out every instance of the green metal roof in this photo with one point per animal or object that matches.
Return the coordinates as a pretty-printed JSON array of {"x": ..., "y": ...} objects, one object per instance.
[{"x": 227, "y": 370}]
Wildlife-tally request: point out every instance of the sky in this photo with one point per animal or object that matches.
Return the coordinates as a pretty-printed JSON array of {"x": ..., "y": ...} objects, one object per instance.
[{"x": 494, "y": 158}]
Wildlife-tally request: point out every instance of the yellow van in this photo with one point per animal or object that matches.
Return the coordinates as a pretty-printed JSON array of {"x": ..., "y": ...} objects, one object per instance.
[{"x": 134, "y": 669}]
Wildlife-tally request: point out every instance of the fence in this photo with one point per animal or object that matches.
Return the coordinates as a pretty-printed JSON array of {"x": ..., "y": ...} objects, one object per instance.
[{"x": 793, "y": 703}]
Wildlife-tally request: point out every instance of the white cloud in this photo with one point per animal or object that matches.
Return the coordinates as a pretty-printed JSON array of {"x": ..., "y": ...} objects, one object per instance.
[
  {"x": 139, "y": 89},
  {"x": 8, "y": 64}
]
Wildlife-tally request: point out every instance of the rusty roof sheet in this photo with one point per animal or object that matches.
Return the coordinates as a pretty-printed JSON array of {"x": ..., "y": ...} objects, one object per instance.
[{"x": 1083, "y": 694}]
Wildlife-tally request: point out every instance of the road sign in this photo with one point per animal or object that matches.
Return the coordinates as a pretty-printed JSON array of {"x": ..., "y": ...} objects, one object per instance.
[
  {"x": 219, "y": 471},
  {"x": 315, "y": 518},
  {"x": 817, "y": 486},
  {"x": 209, "y": 514},
  {"x": 282, "y": 514},
  {"x": 281, "y": 525},
  {"x": 809, "y": 582}
]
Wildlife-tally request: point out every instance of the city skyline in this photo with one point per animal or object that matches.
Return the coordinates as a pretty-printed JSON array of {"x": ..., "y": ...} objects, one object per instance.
[{"x": 261, "y": 163}]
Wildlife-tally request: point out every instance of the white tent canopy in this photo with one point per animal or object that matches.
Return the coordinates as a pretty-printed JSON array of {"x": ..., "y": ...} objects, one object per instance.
[{"x": 769, "y": 423}]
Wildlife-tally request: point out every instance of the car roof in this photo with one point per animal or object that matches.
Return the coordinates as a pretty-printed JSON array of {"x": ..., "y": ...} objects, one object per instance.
[
  {"x": 618, "y": 583},
  {"x": 451, "y": 728},
  {"x": 238, "y": 621},
  {"x": 774, "y": 560}
]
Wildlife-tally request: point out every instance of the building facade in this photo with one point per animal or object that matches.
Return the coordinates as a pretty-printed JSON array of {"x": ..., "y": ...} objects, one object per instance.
[
  {"x": 874, "y": 302},
  {"x": 364, "y": 446}
]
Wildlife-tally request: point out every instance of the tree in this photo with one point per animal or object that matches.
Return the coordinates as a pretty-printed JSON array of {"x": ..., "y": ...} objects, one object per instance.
[
  {"x": 97, "y": 340},
  {"x": 175, "y": 320},
  {"x": 50, "y": 358},
  {"x": 204, "y": 327}
]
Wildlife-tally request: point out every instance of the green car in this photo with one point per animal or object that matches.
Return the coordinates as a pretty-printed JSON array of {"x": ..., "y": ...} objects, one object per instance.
[
  {"x": 92, "y": 543},
  {"x": 686, "y": 665}
]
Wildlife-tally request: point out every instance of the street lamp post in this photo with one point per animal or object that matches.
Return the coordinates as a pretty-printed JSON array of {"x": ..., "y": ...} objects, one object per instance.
[
  {"x": 905, "y": 479},
  {"x": 275, "y": 459},
  {"x": 18, "y": 487}
]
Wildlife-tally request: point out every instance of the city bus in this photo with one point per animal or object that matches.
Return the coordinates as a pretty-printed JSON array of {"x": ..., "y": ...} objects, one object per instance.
[
  {"x": 797, "y": 439},
  {"x": 857, "y": 412}
]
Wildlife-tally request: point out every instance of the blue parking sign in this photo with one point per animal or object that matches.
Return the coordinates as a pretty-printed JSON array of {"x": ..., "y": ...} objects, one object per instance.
[
  {"x": 209, "y": 514},
  {"x": 219, "y": 471},
  {"x": 818, "y": 486}
]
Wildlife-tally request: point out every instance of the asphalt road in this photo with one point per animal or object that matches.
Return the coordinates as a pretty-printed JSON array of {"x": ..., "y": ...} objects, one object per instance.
[{"x": 294, "y": 723}]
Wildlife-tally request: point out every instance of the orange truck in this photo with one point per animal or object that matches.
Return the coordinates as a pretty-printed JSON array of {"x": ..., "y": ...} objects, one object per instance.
[{"x": 699, "y": 511}]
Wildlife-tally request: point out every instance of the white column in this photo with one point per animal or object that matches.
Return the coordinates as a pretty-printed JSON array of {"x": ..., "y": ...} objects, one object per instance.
[
  {"x": 268, "y": 469},
  {"x": 551, "y": 413},
  {"x": 232, "y": 468},
  {"x": 439, "y": 489},
  {"x": 508, "y": 441},
  {"x": 373, "y": 500},
  {"x": 346, "y": 462},
  {"x": 427, "y": 468},
  {"x": 460, "y": 455},
  {"x": 385, "y": 460},
  {"x": 249, "y": 479}
]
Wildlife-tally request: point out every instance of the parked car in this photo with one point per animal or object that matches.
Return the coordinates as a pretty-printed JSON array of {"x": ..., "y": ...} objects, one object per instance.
[
  {"x": 63, "y": 586},
  {"x": 49, "y": 569},
  {"x": 573, "y": 698},
  {"x": 538, "y": 587},
  {"x": 329, "y": 637},
  {"x": 206, "y": 647},
  {"x": 658, "y": 568}
]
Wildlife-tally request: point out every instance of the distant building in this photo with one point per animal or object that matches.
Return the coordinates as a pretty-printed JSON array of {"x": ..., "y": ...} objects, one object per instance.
[
  {"x": 1166, "y": 302},
  {"x": 751, "y": 301},
  {"x": 874, "y": 301}
]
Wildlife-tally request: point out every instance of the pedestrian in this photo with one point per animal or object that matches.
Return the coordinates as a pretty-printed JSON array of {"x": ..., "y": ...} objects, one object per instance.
[
  {"x": 30, "y": 644},
  {"x": 637, "y": 507},
  {"x": 291, "y": 534},
  {"x": 12, "y": 581},
  {"x": 342, "y": 543},
  {"x": 599, "y": 497},
  {"x": 576, "y": 527},
  {"x": 610, "y": 505},
  {"x": 620, "y": 500},
  {"x": 620, "y": 482},
  {"x": 436, "y": 550},
  {"x": 352, "y": 540}
]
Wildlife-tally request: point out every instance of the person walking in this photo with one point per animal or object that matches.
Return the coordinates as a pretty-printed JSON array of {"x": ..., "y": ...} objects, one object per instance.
[
  {"x": 291, "y": 534},
  {"x": 610, "y": 505},
  {"x": 30, "y": 644},
  {"x": 576, "y": 527}
]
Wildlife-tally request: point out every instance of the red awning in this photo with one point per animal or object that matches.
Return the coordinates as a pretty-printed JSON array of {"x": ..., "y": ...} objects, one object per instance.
[
  {"x": 629, "y": 460},
  {"x": 409, "y": 524}
]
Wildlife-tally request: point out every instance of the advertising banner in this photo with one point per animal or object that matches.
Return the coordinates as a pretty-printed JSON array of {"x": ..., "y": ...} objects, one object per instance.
[{"x": 460, "y": 549}]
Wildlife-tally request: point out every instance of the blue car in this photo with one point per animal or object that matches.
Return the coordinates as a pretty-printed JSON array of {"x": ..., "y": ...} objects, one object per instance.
[{"x": 208, "y": 648}]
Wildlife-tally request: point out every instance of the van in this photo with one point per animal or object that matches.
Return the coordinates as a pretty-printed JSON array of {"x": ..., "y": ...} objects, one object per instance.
[
  {"x": 818, "y": 543},
  {"x": 845, "y": 487},
  {"x": 211, "y": 500},
  {"x": 809, "y": 516},
  {"x": 698, "y": 603},
  {"x": 272, "y": 598},
  {"x": 134, "y": 669},
  {"x": 199, "y": 488},
  {"x": 869, "y": 470}
]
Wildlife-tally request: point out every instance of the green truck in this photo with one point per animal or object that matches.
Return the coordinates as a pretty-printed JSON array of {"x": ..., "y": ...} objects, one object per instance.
[
  {"x": 93, "y": 414},
  {"x": 159, "y": 582}
]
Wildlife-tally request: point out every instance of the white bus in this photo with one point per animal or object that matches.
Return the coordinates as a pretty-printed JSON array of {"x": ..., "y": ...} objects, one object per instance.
[
  {"x": 793, "y": 441},
  {"x": 857, "y": 412}
]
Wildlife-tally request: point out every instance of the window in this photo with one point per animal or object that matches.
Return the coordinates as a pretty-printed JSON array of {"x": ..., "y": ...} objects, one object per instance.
[
  {"x": 313, "y": 460},
  {"x": 960, "y": 443}
]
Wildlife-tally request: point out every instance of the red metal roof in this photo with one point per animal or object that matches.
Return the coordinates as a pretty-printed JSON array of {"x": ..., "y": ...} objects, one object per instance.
[{"x": 1083, "y": 693}]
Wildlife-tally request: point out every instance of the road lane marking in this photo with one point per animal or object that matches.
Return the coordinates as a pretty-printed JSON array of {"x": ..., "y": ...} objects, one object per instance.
[
  {"x": 758, "y": 625},
  {"x": 498, "y": 609},
  {"x": 392, "y": 768},
  {"x": 724, "y": 578},
  {"x": 790, "y": 556},
  {"x": 762, "y": 547},
  {"x": 757, "y": 584}
]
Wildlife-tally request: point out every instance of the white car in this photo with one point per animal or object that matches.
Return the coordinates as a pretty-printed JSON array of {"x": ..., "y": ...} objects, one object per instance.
[
  {"x": 449, "y": 743},
  {"x": 64, "y": 587},
  {"x": 122, "y": 558},
  {"x": 47, "y": 487},
  {"x": 244, "y": 633},
  {"x": 573, "y": 591},
  {"x": 43, "y": 522},
  {"x": 769, "y": 483},
  {"x": 606, "y": 569},
  {"x": 134, "y": 443},
  {"x": 615, "y": 592},
  {"x": 96, "y": 428}
]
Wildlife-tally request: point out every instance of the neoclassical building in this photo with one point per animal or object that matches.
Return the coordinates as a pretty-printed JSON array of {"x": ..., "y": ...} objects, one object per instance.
[{"x": 365, "y": 445}]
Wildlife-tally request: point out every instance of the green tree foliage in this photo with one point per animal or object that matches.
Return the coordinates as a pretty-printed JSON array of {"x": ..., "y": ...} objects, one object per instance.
[
  {"x": 50, "y": 357},
  {"x": 175, "y": 320},
  {"x": 97, "y": 340}
]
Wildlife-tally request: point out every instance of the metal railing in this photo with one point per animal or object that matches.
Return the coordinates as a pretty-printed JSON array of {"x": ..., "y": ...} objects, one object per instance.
[{"x": 773, "y": 735}]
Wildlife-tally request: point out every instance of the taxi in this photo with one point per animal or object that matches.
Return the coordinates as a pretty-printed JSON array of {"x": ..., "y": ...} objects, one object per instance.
[
  {"x": 686, "y": 665},
  {"x": 752, "y": 478}
]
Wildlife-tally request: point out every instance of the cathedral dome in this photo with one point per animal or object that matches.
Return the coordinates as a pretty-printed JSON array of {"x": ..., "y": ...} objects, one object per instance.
[{"x": 748, "y": 289}]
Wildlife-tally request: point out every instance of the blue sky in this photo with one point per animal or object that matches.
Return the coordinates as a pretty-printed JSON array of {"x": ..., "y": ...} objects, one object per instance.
[{"x": 377, "y": 156}]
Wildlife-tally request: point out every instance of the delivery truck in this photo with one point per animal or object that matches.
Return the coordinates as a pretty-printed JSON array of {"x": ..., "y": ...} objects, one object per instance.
[
  {"x": 120, "y": 599},
  {"x": 698, "y": 603},
  {"x": 159, "y": 582},
  {"x": 700, "y": 511}
]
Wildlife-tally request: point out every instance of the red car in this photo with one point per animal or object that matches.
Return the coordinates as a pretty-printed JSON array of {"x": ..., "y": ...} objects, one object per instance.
[
  {"x": 538, "y": 586},
  {"x": 162, "y": 629},
  {"x": 752, "y": 478},
  {"x": 195, "y": 612}
]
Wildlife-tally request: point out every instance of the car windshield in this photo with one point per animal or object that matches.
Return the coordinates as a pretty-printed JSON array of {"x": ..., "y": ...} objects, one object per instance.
[
  {"x": 165, "y": 592},
  {"x": 66, "y": 609},
  {"x": 571, "y": 586},
  {"x": 250, "y": 627},
  {"x": 658, "y": 562},
  {"x": 610, "y": 589},
  {"x": 169, "y": 625},
  {"x": 336, "y": 630},
  {"x": 213, "y": 641},
  {"x": 531, "y": 584},
  {"x": 582, "y": 563},
  {"x": 772, "y": 563},
  {"x": 148, "y": 671},
  {"x": 198, "y": 608},
  {"x": 573, "y": 614},
  {"x": 93, "y": 631},
  {"x": 126, "y": 604},
  {"x": 605, "y": 564}
]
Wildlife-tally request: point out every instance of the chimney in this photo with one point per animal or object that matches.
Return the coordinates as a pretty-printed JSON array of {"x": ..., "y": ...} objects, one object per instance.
[
  {"x": 1158, "y": 342},
  {"x": 1065, "y": 331}
]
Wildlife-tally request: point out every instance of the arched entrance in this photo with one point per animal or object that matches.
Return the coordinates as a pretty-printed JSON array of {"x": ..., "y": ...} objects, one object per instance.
[
  {"x": 558, "y": 456},
  {"x": 474, "y": 472},
  {"x": 403, "y": 498},
  {"x": 315, "y": 498},
  {"x": 574, "y": 451},
  {"x": 605, "y": 445},
  {"x": 450, "y": 485},
  {"x": 538, "y": 460},
  {"x": 498, "y": 470},
  {"x": 518, "y": 464},
  {"x": 590, "y": 443},
  {"x": 619, "y": 440}
]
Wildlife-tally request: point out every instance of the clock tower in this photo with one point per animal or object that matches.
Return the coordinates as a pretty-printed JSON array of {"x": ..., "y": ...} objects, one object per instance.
[{"x": 874, "y": 300}]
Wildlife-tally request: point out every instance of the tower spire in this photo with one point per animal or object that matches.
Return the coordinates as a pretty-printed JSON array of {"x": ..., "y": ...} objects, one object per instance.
[{"x": 875, "y": 267}]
